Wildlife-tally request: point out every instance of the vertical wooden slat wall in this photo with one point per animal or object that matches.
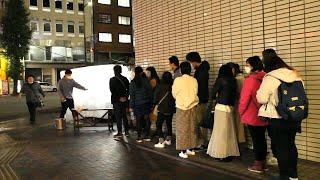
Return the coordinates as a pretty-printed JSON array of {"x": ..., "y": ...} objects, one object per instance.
[{"x": 225, "y": 30}]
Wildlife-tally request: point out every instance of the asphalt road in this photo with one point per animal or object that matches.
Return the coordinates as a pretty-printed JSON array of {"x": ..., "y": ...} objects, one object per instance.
[{"x": 12, "y": 107}]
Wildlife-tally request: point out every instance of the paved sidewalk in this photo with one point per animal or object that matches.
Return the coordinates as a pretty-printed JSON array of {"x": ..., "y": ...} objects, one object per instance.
[
  {"x": 42, "y": 152},
  {"x": 11, "y": 107}
]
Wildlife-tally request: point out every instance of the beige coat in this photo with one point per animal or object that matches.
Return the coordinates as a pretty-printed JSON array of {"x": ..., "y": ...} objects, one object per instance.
[
  {"x": 185, "y": 90},
  {"x": 267, "y": 95}
]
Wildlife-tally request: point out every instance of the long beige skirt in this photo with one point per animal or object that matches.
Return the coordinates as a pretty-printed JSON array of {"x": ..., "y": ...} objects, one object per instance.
[
  {"x": 186, "y": 137},
  {"x": 223, "y": 142}
]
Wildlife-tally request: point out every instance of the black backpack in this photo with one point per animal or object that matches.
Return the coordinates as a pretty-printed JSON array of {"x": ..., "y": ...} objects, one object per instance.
[{"x": 293, "y": 101}]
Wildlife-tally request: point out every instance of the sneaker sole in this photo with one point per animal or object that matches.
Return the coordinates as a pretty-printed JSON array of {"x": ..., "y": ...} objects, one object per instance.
[
  {"x": 183, "y": 157},
  {"x": 255, "y": 171}
]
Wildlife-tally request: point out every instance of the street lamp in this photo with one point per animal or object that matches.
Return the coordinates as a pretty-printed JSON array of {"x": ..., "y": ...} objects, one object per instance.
[{"x": 88, "y": 3}]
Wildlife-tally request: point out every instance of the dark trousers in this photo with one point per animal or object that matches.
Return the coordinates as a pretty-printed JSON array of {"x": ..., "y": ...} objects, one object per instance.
[
  {"x": 273, "y": 149},
  {"x": 32, "y": 106},
  {"x": 143, "y": 125},
  {"x": 259, "y": 141},
  {"x": 283, "y": 134},
  {"x": 161, "y": 118},
  {"x": 69, "y": 103},
  {"x": 120, "y": 109}
]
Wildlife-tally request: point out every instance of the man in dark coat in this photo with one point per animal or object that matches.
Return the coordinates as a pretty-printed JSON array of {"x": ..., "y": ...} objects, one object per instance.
[{"x": 119, "y": 87}]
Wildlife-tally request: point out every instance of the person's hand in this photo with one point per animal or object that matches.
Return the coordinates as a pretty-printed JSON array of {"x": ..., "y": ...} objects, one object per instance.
[
  {"x": 63, "y": 99},
  {"x": 19, "y": 97}
]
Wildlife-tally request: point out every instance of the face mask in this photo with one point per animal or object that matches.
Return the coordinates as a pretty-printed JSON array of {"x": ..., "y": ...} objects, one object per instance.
[
  {"x": 247, "y": 69},
  {"x": 148, "y": 74},
  {"x": 132, "y": 74}
]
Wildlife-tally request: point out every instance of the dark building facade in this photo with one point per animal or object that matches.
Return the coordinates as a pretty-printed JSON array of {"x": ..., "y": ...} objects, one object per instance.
[{"x": 112, "y": 29}]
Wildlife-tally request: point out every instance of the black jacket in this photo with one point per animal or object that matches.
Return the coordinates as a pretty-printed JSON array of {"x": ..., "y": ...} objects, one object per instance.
[
  {"x": 167, "y": 106},
  {"x": 225, "y": 91},
  {"x": 118, "y": 88},
  {"x": 140, "y": 95},
  {"x": 202, "y": 76},
  {"x": 32, "y": 91}
]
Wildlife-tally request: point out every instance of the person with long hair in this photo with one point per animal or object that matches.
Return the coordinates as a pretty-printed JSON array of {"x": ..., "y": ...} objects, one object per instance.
[
  {"x": 223, "y": 144},
  {"x": 166, "y": 108},
  {"x": 248, "y": 110},
  {"x": 282, "y": 132},
  {"x": 153, "y": 77},
  {"x": 140, "y": 103},
  {"x": 185, "y": 90}
]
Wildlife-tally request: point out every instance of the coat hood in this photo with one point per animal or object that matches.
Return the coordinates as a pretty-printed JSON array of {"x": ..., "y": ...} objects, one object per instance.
[
  {"x": 285, "y": 75},
  {"x": 258, "y": 75}
]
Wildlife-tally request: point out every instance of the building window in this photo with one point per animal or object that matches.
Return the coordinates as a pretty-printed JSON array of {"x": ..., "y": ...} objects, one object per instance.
[
  {"x": 124, "y": 38},
  {"x": 105, "y": 37},
  {"x": 124, "y": 3},
  {"x": 59, "y": 27},
  {"x": 70, "y": 5},
  {"x": 71, "y": 27},
  {"x": 47, "y": 26},
  {"x": 58, "y": 4},
  {"x": 34, "y": 26},
  {"x": 104, "y": 2},
  {"x": 33, "y": 3},
  {"x": 104, "y": 18},
  {"x": 46, "y": 3},
  {"x": 80, "y": 7},
  {"x": 81, "y": 28},
  {"x": 124, "y": 20}
]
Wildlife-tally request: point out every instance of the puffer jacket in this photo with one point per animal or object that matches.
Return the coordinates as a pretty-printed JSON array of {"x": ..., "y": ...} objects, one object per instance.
[
  {"x": 267, "y": 95},
  {"x": 32, "y": 91},
  {"x": 140, "y": 95},
  {"x": 248, "y": 105}
]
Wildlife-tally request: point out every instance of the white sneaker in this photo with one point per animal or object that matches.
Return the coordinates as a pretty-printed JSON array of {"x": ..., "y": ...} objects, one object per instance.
[
  {"x": 293, "y": 178},
  {"x": 272, "y": 161},
  {"x": 192, "y": 153},
  {"x": 167, "y": 142},
  {"x": 183, "y": 155},
  {"x": 159, "y": 145}
]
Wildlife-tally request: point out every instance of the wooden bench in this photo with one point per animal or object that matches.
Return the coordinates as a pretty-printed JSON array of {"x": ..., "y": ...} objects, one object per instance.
[{"x": 80, "y": 120}]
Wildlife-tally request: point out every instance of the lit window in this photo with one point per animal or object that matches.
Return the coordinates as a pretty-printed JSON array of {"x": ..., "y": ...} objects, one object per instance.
[
  {"x": 70, "y": 27},
  {"x": 58, "y": 4},
  {"x": 105, "y": 37},
  {"x": 124, "y": 3},
  {"x": 124, "y": 38},
  {"x": 81, "y": 28},
  {"x": 46, "y": 3},
  {"x": 59, "y": 27},
  {"x": 33, "y": 3},
  {"x": 34, "y": 26},
  {"x": 104, "y": 2},
  {"x": 70, "y": 5},
  {"x": 47, "y": 26},
  {"x": 104, "y": 18},
  {"x": 124, "y": 20}
]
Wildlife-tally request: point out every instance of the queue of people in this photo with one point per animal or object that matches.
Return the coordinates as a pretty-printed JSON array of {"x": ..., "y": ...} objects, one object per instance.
[{"x": 250, "y": 101}]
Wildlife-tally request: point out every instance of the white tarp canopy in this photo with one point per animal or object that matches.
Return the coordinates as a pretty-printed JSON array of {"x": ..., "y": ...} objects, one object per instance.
[{"x": 96, "y": 80}]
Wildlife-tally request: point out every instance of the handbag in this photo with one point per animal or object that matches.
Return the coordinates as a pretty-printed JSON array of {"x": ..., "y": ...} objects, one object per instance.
[{"x": 155, "y": 109}]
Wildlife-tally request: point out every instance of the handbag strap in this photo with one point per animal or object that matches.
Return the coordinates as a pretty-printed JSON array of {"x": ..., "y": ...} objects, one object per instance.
[
  {"x": 122, "y": 83},
  {"x": 163, "y": 98}
]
